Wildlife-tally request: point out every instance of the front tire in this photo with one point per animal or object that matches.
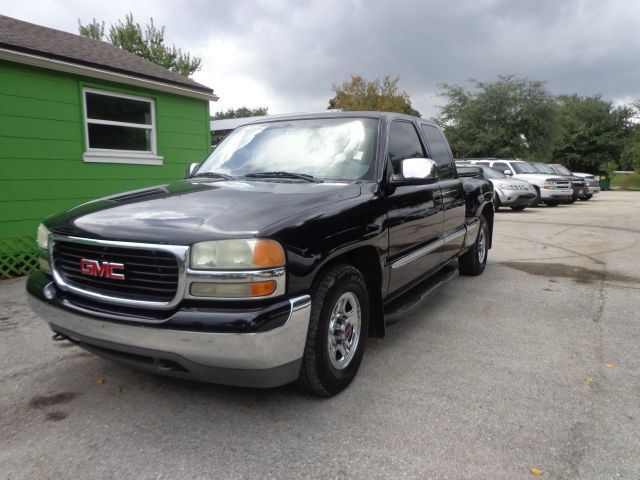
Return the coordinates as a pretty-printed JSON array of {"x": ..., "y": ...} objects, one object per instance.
[
  {"x": 474, "y": 260},
  {"x": 518, "y": 208},
  {"x": 338, "y": 328}
]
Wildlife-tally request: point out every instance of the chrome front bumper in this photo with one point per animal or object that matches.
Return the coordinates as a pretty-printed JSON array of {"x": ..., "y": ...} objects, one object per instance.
[
  {"x": 264, "y": 359},
  {"x": 555, "y": 193}
]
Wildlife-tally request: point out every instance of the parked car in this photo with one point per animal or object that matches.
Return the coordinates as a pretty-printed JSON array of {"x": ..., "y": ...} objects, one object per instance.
[
  {"x": 510, "y": 192},
  {"x": 277, "y": 256},
  {"x": 550, "y": 189},
  {"x": 577, "y": 183},
  {"x": 591, "y": 183}
]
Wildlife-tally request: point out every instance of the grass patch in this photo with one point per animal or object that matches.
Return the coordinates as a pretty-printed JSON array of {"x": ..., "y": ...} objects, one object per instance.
[{"x": 631, "y": 182}]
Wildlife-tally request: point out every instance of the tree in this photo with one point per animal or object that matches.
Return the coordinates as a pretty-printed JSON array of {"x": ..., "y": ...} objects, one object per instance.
[
  {"x": 148, "y": 43},
  {"x": 377, "y": 95},
  {"x": 593, "y": 133},
  {"x": 93, "y": 30},
  {"x": 240, "y": 113},
  {"x": 630, "y": 156},
  {"x": 509, "y": 118}
]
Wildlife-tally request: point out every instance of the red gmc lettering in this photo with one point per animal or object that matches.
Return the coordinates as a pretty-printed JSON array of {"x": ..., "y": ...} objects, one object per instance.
[{"x": 102, "y": 269}]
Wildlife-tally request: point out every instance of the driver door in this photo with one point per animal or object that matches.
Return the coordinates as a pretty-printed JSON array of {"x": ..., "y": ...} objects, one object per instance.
[{"x": 415, "y": 213}]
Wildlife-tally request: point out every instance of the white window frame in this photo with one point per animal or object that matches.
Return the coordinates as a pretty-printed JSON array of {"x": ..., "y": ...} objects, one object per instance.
[{"x": 108, "y": 155}]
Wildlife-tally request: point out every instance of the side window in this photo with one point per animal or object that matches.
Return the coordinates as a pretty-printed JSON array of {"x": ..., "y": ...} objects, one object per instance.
[
  {"x": 403, "y": 143},
  {"x": 439, "y": 149},
  {"x": 501, "y": 167}
]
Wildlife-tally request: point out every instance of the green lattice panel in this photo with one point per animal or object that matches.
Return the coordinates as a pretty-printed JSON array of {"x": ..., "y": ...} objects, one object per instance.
[{"x": 18, "y": 256}]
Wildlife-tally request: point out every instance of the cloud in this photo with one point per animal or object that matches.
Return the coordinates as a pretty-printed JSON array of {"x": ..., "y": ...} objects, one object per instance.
[{"x": 286, "y": 55}]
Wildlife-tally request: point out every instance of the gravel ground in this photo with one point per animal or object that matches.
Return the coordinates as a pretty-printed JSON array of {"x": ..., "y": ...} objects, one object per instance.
[{"x": 535, "y": 364}]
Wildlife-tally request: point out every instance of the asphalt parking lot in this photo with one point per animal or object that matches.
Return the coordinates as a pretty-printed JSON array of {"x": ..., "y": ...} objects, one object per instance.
[{"x": 534, "y": 364}]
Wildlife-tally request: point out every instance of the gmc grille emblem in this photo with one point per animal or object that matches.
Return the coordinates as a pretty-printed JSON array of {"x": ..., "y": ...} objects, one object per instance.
[{"x": 102, "y": 269}]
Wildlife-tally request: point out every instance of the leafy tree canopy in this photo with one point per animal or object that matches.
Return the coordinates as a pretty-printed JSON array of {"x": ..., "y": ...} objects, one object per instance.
[
  {"x": 383, "y": 95},
  {"x": 147, "y": 43},
  {"x": 593, "y": 132},
  {"x": 630, "y": 156},
  {"x": 509, "y": 118},
  {"x": 240, "y": 113}
]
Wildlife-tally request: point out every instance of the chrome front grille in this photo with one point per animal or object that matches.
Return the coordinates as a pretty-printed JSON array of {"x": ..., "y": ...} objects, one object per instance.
[
  {"x": 150, "y": 275},
  {"x": 153, "y": 274}
]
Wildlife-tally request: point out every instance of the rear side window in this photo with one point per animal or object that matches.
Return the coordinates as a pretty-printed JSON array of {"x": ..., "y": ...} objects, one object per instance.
[
  {"x": 404, "y": 142},
  {"x": 501, "y": 167},
  {"x": 439, "y": 149}
]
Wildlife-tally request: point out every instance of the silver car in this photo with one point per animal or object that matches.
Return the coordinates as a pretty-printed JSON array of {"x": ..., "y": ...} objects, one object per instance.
[{"x": 510, "y": 192}]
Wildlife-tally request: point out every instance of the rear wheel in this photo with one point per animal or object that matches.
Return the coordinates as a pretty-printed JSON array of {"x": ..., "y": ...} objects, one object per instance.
[
  {"x": 586, "y": 197},
  {"x": 518, "y": 208},
  {"x": 474, "y": 260},
  {"x": 536, "y": 201},
  {"x": 552, "y": 203},
  {"x": 337, "y": 333}
]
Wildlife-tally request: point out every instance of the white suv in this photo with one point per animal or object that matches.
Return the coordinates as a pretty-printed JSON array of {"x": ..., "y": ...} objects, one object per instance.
[{"x": 551, "y": 189}]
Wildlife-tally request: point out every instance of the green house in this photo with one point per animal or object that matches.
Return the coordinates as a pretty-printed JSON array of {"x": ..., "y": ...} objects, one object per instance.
[{"x": 79, "y": 119}]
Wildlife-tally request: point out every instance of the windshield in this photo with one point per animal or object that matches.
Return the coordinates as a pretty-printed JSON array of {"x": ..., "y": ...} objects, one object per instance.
[
  {"x": 325, "y": 148},
  {"x": 524, "y": 167},
  {"x": 491, "y": 173},
  {"x": 542, "y": 168},
  {"x": 561, "y": 170}
]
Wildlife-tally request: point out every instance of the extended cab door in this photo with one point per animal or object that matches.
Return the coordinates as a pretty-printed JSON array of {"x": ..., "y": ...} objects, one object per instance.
[
  {"x": 415, "y": 215},
  {"x": 453, "y": 204}
]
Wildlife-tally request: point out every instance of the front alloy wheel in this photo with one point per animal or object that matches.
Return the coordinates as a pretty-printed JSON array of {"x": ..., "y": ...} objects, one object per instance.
[
  {"x": 344, "y": 330},
  {"x": 338, "y": 326}
]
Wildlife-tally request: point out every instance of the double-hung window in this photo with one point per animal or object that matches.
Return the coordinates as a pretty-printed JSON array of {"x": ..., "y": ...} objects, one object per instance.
[{"x": 119, "y": 128}]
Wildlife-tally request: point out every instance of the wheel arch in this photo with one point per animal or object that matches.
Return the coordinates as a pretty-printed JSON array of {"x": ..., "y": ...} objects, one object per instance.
[{"x": 367, "y": 260}]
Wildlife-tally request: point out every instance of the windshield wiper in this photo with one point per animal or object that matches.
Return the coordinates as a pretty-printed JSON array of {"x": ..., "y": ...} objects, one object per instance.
[
  {"x": 214, "y": 175},
  {"x": 301, "y": 176}
]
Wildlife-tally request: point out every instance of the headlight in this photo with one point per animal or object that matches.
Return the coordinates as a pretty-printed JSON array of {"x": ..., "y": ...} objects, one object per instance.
[
  {"x": 506, "y": 186},
  {"x": 42, "y": 238},
  {"x": 237, "y": 254}
]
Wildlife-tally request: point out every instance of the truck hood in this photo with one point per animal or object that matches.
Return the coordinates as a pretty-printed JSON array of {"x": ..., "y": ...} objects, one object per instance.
[
  {"x": 538, "y": 178},
  {"x": 191, "y": 211}
]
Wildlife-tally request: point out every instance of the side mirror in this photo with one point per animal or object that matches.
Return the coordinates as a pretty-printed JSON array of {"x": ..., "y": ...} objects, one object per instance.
[
  {"x": 192, "y": 167},
  {"x": 506, "y": 171},
  {"x": 416, "y": 171}
]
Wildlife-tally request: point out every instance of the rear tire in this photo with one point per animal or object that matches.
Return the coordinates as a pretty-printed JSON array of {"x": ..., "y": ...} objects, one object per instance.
[
  {"x": 474, "y": 260},
  {"x": 552, "y": 203},
  {"x": 338, "y": 328},
  {"x": 518, "y": 208},
  {"x": 536, "y": 201}
]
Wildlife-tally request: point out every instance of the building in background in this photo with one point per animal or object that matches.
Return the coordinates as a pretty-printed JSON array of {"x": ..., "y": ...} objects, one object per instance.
[{"x": 79, "y": 119}]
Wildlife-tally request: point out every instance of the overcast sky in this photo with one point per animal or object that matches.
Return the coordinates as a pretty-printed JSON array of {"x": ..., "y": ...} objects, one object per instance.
[{"x": 286, "y": 55}]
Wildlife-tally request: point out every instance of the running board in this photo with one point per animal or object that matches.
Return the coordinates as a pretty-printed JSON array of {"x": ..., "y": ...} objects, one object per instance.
[{"x": 418, "y": 295}]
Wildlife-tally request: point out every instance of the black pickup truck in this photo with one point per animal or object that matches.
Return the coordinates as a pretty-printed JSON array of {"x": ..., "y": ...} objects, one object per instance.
[{"x": 274, "y": 259}]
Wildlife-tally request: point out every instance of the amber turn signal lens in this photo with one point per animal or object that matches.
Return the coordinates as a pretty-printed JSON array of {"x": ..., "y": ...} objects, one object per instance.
[
  {"x": 268, "y": 253},
  {"x": 262, "y": 289}
]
